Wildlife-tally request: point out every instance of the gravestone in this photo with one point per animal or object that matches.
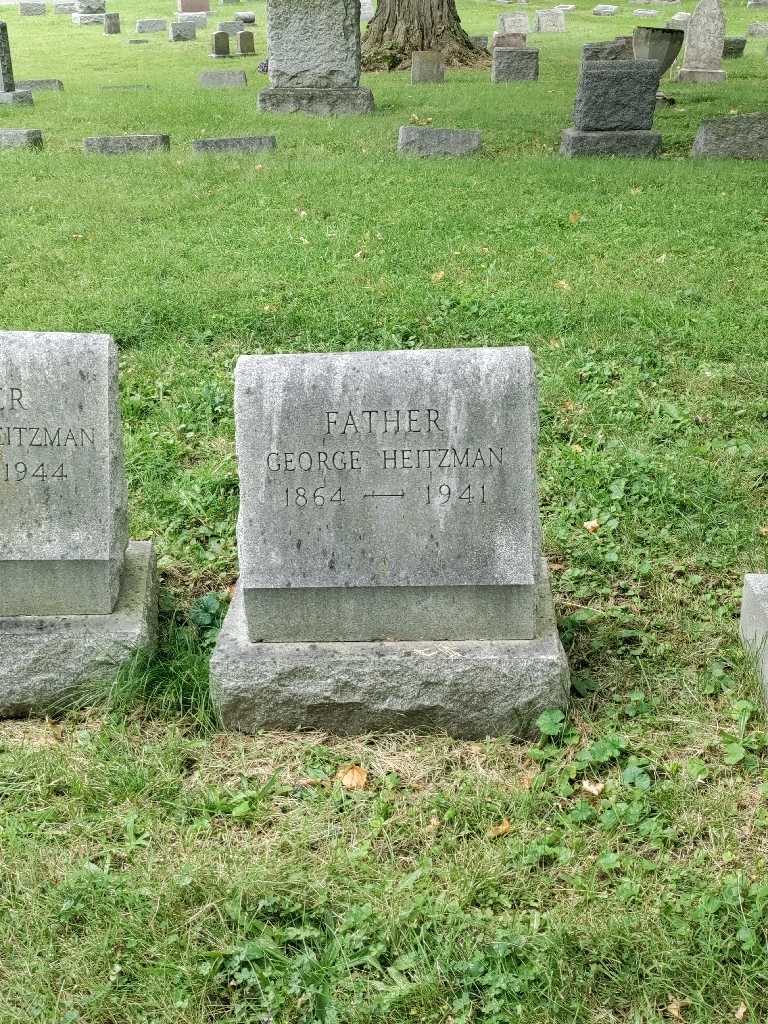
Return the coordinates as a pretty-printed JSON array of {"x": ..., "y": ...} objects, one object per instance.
[
  {"x": 144, "y": 26},
  {"x": 427, "y": 67},
  {"x": 514, "y": 65},
  {"x": 230, "y": 27},
  {"x": 614, "y": 109},
  {"x": 509, "y": 41},
  {"x": 123, "y": 145},
  {"x": 605, "y": 10},
  {"x": 182, "y": 32},
  {"x": 550, "y": 21},
  {"x": 389, "y": 542},
  {"x": 247, "y": 144},
  {"x": 245, "y": 44},
  {"x": 111, "y": 24},
  {"x": 757, "y": 28},
  {"x": 40, "y": 84},
  {"x": 247, "y": 17},
  {"x": 64, "y": 6},
  {"x": 91, "y": 7},
  {"x": 481, "y": 42},
  {"x": 619, "y": 48},
  {"x": 314, "y": 58},
  {"x": 76, "y": 598},
  {"x": 220, "y": 44},
  {"x": 514, "y": 24},
  {"x": 704, "y": 40},
  {"x": 21, "y": 138},
  {"x": 31, "y": 9},
  {"x": 87, "y": 19},
  {"x": 744, "y": 137},
  {"x": 198, "y": 19},
  {"x": 193, "y": 6},
  {"x": 734, "y": 47},
  {"x": 753, "y": 624},
  {"x": 222, "y": 80},
  {"x": 415, "y": 140},
  {"x": 8, "y": 92}
]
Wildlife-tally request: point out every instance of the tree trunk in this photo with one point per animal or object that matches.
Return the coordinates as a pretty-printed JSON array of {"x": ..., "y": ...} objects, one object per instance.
[{"x": 402, "y": 26}]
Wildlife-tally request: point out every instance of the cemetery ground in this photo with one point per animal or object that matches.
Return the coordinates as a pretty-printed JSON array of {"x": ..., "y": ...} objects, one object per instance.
[{"x": 153, "y": 869}]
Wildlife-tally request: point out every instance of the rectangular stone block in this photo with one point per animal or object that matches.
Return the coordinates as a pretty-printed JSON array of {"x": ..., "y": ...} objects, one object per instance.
[
  {"x": 249, "y": 144},
  {"x": 222, "y": 80},
  {"x": 193, "y": 6},
  {"x": 753, "y": 624},
  {"x": 415, "y": 140},
  {"x": 319, "y": 102},
  {"x": 41, "y": 84},
  {"x": 509, "y": 40},
  {"x": 88, "y": 19},
  {"x": 616, "y": 95},
  {"x": 388, "y": 495},
  {"x": 121, "y": 145},
  {"x": 427, "y": 67},
  {"x": 514, "y": 65},
  {"x": 757, "y": 28},
  {"x": 220, "y": 46},
  {"x": 21, "y": 138},
  {"x": 91, "y": 7},
  {"x": 246, "y": 47},
  {"x": 65, "y": 527},
  {"x": 314, "y": 44},
  {"x": 622, "y": 143},
  {"x": 7, "y": 83},
  {"x": 112, "y": 24},
  {"x": 230, "y": 27},
  {"x": 146, "y": 25},
  {"x": 743, "y": 137},
  {"x": 31, "y": 9},
  {"x": 481, "y": 42},
  {"x": 65, "y": 7},
  {"x": 21, "y": 97},
  {"x": 198, "y": 20},
  {"x": 182, "y": 32},
  {"x": 550, "y": 21},
  {"x": 513, "y": 24}
]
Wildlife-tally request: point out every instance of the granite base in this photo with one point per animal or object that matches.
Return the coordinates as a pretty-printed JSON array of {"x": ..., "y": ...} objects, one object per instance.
[{"x": 322, "y": 102}]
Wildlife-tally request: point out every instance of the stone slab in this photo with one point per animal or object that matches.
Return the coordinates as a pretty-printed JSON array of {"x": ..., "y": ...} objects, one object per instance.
[
  {"x": 198, "y": 19},
  {"x": 7, "y": 83},
  {"x": 320, "y": 102},
  {"x": 65, "y": 7},
  {"x": 734, "y": 47},
  {"x": 613, "y": 49},
  {"x": 605, "y": 10},
  {"x": 193, "y": 6},
  {"x": 230, "y": 27},
  {"x": 248, "y": 144},
  {"x": 314, "y": 45},
  {"x": 509, "y": 40},
  {"x": 112, "y": 24},
  {"x": 21, "y": 138},
  {"x": 20, "y": 97},
  {"x": 753, "y": 623},
  {"x": 222, "y": 80},
  {"x": 743, "y": 136},
  {"x": 704, "y": 41},
  {"x": 513, "y": 24},
  {"x": 41, "y": 84},
  {"x": 31, "y": 9},
  {"x": 468, "y": 689},
  {"x": 481, "y": 42},
  {"x": 757, "y": 28},
  {"x": 247, "y": 17},
  {"x": 415, "y": 140},
  {"x": 120, "y": 145},
  {"x": 182, "y": 32},
  {"x": 616, "y": 95},
  {"x": 87, "y": 19},
  {"x": 146, "y": 25},
  {"x": 47, "y": 662},
  {"x": 514, "y": 65},
  {"x": 427, "y": 67},
  {"x": 550, "y": 21},
  {"x": 622, "y": 143},
  {"x": 65, "y": 519},
  {"x": 700, "y": 75}
]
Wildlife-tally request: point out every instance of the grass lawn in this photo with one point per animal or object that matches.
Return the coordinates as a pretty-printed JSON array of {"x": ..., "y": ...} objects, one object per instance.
[{"x": 154, "y": 870}]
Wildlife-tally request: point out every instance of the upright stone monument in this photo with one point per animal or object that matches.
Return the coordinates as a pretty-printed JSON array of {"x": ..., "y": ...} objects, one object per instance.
[
  {"x": 427, "y": 67},
  {"x": 77, "y": 599},
  {"x": 704, "y": 41},
  {"x": 314, "y": 58},
  {"x": 514, "y": 64},
  {"x": 389, "y": 542},
  {"x": 550, "y": 21},
  {"x": 112, "y": 24},
  {"x": 193, "y": 6},
  {"x": 753, "y": 624},
  {"x": 513, "y": 24},
  {"x": 8, "y": 91}
]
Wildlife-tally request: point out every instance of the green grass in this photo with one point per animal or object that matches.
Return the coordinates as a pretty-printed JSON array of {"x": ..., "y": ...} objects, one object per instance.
[{"x": 154, "y": 870}]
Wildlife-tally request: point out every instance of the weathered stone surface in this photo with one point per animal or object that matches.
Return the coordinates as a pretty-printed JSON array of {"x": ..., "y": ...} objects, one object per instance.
[
  {"x": 64, "y": 6},
  {"x": 415, "y": 140},
  {"x": 48, "y": 662},
  {"x": 121, "y": 145},
  {"x": 619, "y": 143},
  {"x": 138, "y": 42},
  {"x": 344, "y": 531},
  {"x": 734, "y": 47},
  {"x": 753, "y": 624},
  {"x": 65, "y": 525},
  {"x": 91, "y": 7},
  {"x": 222, "y": 79},
  {"x": 314, "y": 44},
  {"x": 40, "y": 84},
  {"x": 182, "y": 32},
  {"x": 230, "y": 27},
  {"x": 220, "y": 46},
  {"x": 88, "y": 19},
  {"x": 7, "y": 83},
  {"x": 31, "y": 8},
  {"x": 513, "y": 24},
  {"x": 23, "y": 97},
  {"x": 247, "y": 17},
  {"x": 111, "y": 24},
  {"x": 246, "y": 46},
  {"x": 704, "y": 40},
  {"x": 146, "y": 25},
  {"x": 605, "y": 10},
  {"x": 744, "y": 136},
  {"x": 514, "y": 65},
  {"x": 758, "y": 28},
  {"x": 509, "y": 41},
  {"x": 320, "y": 102},
  {"x": 193, "y": 6},
  {"x": 427, "y": 66},
  {"x": 481, "y": 42},
  {"x": 645, "y": 13},
  {"x": 616, "y": 95},
  {"x": 198, "y": 19},
  {"x": 20, "y": 138},
  {"x": 550, "y": 21},
  {"x": 619, "y": 48},
  {"x": 469, "y": 688},
  {"x": 659, "y": 44},
  {"x": 248, "y": 144}
]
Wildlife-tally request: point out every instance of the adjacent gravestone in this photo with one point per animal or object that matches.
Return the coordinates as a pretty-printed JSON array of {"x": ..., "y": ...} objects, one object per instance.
[
  {"x": 246, "y": 46},
  {"x": 247, "y": 144},
  {"x": 182, "y": 32},
  {"x": 40, "y": 84},
  {"x": 414, "y": 140},
  {"x": 550, "y": 21},
  {"x": 247, "y": 17},
  {"x": 8, "y": 92},
  {"x": 111, "y": 24},
  {"x": 605, "y": 10},
  {"x": 509, "y": 41},
  {"x": 614, "y": 109},
  {"x": 314, "y": 58},
  {"x": 144, "y": 26},
  {"x": 31, "y": 9},
  {"x": 744, "y": 137},
  {"x": 230, "y": 27},
  {"x": 193, "y": 6},
  {"x": 480, "y": 42},
  {"x": 514, "y": 65},
  {"x": 77, "y": 600},
  {"x": 222, "y": 80},
  {"x": 514, "y": 24},
  {"x": 734, "y": 47},
  {"x": 619, "y": 48},
  {"x": 757, "y": 28},
  {"x": 427, "y": 67},
  {"x": 753, "y": 624},
  {"x": 199, "y": 20},
  {"x": 91, "y": 7},
  {"x": 122, "y": 145},
  {"x": 65, "y": 7},
  {"x": 704, "y": 40},
  {"x": 220, "y": 44},
  {"x": 20, "y": 138},
  {"x": 389, "y": 543},
  {"x": 88, "y": 19}
]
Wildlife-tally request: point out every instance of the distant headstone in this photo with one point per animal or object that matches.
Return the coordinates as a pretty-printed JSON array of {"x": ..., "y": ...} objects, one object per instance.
[
  {"x": 744, "y": 137},
  {"x": 514, "y": 65},
  {"x": 389, "y": 543},
  {"x": 704, "y": 41},
  {"x": 550, "y": 21},
  {"x": 314, "y": 59},
  {"x": 122, "y": 145},
  {"x": 76, "y": 598},
  {"x": 230, "y": 27},
  {"x": 481, "y": 42},
  {"x": 757, "y": 28},
  {"x": 146, "y": 25},
  {"x": 642, "y": 12},
  {"x": 64, "y": 6},
  {"x": 614, "y": 109},
  {"x": 515, "y": 23},
  {"x": 753, "y": 624},
  {"x": 247, "y": 144},
  {"x": 182, "y": 31},
  {"x": 138, "y": 42},
  {"x": 193, "y": 6},
  {"x": 220, "y": 44},
  {"x": 20, "y": 138},
  {"x": 111, "y": 24},
  {"x": 87, "y": 19},
  {"x": 427, "y": 67},
  {"x": 605, "y": 10},
  {"x": 619, "y": 48},
  {"x": 9, "y": 94},
  {"x": 734, "y": 47},
  {"x": 415, "y": 140},
  {"x": 757, "y": 3},
  {"x": 40, "y": 84},
  {"x": 222, "y": 79},
  {"x": 31, "y": 8},
  {"x": 246, "y": 46},
  {"x": 247, "y": 17},
  {"x": 509, "y": 40},
  {"x": 197, "y": 18}
]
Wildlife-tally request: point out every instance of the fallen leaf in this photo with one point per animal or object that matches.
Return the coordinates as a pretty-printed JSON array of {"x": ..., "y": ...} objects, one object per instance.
[
  {"x": 438, "y": 277},
  {"x": 675, "y": 1007},
  {"x": 592, "y": 526},
  {"x": 574, "y": 217},
  {"x": 502, "y": 829},
  {"x": 593, "y": 788},
  {"x": 352, "y": 776},
  {"x": 563, "y": 286},
  {"x": 740, "y": 1012}
]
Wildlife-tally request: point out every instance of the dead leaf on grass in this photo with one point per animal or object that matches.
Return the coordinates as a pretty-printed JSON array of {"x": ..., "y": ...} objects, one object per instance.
[
  {"x": 502, "y": 829},
  {"x": 352, "y": 776}
]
